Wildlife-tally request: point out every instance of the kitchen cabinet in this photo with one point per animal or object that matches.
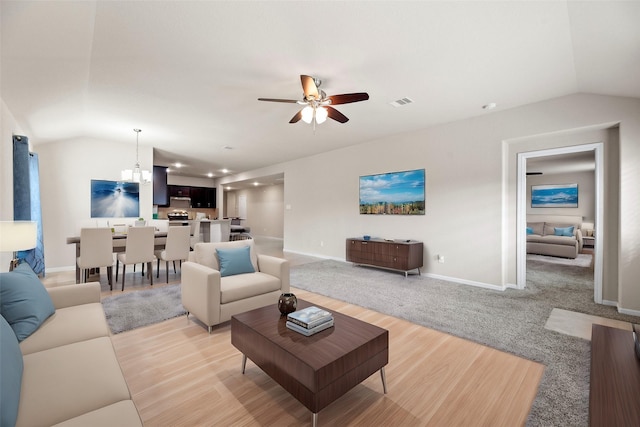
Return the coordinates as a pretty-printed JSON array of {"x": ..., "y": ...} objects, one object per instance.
[
  {"x": 160, "y": 190},
  {"x": 201, "y": 197}
]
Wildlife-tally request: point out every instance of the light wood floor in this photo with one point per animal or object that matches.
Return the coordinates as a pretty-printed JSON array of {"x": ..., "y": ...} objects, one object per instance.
[{"x": 180, "y": 375}]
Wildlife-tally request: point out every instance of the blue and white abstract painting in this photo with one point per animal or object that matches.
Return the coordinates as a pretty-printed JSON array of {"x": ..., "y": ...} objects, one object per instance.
[
  {"x": 554, "y": 196},
  {"x": 112, "y": 199}
]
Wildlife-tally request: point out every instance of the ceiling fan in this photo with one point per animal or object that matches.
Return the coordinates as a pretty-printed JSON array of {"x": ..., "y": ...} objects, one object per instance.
[{"x": 317, "y": 105}]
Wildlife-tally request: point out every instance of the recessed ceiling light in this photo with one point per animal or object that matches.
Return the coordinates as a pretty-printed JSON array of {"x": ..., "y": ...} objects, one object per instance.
[
  {"x": 210, "y": 175},
  {"x": 489, "y": 106},
  {"x": 227, "y": 147},
  {"x": 178, "y": 165},
  {"x": 256, "y": 183},
  {"x": 225, "y": 171}
]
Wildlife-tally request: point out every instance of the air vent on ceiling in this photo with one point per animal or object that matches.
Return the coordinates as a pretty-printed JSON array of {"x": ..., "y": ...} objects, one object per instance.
[{"x": 401, "y": 102}]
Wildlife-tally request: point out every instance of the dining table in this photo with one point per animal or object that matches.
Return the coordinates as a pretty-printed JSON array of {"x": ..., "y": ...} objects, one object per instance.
[{"x": 119, "y": 245}]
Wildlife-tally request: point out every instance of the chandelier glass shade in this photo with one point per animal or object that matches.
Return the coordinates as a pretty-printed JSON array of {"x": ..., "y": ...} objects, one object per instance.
[{"x": 136, "y": 174}]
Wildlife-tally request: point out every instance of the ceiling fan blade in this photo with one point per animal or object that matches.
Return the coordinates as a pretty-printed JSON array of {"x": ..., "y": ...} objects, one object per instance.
[
  {"x": 296, "y": 118},
  {"x": 309, "y": 87},
  {"x": 347, "y": 98},
  {"x": 336, "y": 115},
  {"x": 290, "y": 101}
]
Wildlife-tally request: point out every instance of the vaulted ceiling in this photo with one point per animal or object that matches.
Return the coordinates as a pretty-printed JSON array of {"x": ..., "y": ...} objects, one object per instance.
[{"x": 189, "y": 73}]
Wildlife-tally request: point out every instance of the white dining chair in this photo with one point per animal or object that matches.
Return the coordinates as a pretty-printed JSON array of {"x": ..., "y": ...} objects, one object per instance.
[
  {"x": 176, "y": 248},
  {"x": 96, "y": 250},
  {"x": 195, "y": 233},
  {"x": 140, "y": 247}
]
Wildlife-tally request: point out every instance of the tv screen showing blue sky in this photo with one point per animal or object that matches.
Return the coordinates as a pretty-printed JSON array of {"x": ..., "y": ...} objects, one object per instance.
[{"x": 393, "y": 193}]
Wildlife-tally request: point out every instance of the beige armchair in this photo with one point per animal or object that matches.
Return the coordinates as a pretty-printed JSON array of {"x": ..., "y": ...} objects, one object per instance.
[{"x": 213, "y": 297}]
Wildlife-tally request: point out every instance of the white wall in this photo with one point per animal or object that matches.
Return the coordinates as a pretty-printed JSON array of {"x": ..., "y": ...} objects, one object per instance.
[
  {"x": 265, "y": 209},
  {"x": 470, "y": 190},
  {"x": 8, "y": 128},
  {"x": 66, "y": 171}
]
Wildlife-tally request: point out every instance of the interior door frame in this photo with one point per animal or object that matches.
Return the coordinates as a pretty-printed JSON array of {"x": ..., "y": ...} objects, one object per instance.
[{"x": 521, "y": 214}]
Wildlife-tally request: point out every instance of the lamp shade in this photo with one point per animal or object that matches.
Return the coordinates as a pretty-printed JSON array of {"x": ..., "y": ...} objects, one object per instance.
[{"x": 17, "y": 235}]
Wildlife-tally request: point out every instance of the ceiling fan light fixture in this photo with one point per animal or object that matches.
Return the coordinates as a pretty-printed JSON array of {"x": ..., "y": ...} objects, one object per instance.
[
  {"x": 321, "y": 115},
  {"x": 307, "y": 114}
]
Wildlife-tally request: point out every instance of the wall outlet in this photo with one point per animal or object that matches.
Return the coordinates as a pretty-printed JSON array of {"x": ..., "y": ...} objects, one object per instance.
[{"x": 441, "y": 259}]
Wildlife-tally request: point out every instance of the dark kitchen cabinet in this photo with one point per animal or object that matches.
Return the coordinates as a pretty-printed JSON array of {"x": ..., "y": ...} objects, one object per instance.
[{"x": 160, "y": 190}]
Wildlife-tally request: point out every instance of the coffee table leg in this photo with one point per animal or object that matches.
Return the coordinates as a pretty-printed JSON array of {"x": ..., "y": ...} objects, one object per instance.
[
  {"x": 315, "y": 419},
  {"x": 384, "y": 380},
  {"x": 244, "y": 363}
]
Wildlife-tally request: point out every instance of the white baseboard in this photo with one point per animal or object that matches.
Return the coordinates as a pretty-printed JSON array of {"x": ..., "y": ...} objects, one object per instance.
[
  {"x": 627, "y": 311},
  {"x": 466, "y": 282}
]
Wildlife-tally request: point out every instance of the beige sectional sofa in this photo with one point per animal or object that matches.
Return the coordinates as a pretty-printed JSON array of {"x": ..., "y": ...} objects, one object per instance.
[
  {"x": 543, "y": 237},
  {"x": 213, "y": 293},
  {"x": 70, "y": 373}
]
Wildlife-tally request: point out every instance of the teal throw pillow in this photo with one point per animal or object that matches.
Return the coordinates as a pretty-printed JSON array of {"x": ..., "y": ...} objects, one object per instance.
[
  {"x": 529, "y": 230},
  {"x": 563, "y": 231},
  {"x": 24, "y": 302},
  {"x": 235, "y": 261},
  {"x": 11, "y": 367}
]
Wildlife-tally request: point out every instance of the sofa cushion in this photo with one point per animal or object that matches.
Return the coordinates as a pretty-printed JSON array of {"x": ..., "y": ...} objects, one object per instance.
[
  {"x": 205, "y": 253},
  {"x": 241, "y": 286},
  {"x": 11, "y": 367},
  {"x": 552, "y": 240},
  {"x": 563, "y": 231},
  {"x": 234, "y": 261},
  {"x": 86, "y": 377},
  {"x": 536, "y": 227},
  {"x": 64, "y": 328},
  {"x": 24, "y": 302}
]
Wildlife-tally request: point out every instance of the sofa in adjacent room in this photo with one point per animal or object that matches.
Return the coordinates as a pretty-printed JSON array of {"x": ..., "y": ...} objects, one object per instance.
[
  {"x": 58, "y": 364},
  {"x": 226, "y": 278},
  {"x": 555, "y": 238}
]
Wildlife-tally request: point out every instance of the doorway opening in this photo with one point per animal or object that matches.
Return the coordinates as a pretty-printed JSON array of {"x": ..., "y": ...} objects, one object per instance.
[{"x": 521, "y": 217}]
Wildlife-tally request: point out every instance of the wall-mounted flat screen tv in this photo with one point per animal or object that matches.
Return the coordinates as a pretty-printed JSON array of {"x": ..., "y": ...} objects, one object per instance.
[
  {"x": 114, "y": 199},
  {"x": 394, "y": 193}
]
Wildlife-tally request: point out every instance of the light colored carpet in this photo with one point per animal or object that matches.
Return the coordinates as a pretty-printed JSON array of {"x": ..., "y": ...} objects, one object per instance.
[
  {"x": 582, "y": 260},
  {"x": 511, "y": 321},
  {"x": 133, "y": 310}
]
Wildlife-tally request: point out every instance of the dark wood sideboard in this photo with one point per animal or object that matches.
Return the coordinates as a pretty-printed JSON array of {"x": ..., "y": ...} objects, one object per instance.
[
  {"x": 400, "y": 255},
  {"x": 614, "y": 395}
]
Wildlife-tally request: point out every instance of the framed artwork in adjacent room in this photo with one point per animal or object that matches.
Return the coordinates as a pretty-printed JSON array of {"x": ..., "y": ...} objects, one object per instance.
[
  {"x": 554, "y": 196},
  {"x": 114, "y": 199},
  {"x": 393, "y": 193}
]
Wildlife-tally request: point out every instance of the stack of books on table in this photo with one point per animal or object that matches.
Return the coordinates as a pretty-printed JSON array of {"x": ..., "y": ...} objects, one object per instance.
[{"x": 309, "y": 321}]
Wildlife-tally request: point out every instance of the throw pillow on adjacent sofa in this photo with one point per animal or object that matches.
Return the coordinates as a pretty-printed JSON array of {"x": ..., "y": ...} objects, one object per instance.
[
  {"x": 563, "y": 231},
  {"x": 24, "y": 302},
  {"x": 11, "y": 367},
  {"x": 235, "y": 261}
]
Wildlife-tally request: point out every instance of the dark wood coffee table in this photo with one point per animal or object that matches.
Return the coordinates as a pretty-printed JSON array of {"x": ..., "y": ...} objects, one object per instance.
[{"x": 318, "y": 369}]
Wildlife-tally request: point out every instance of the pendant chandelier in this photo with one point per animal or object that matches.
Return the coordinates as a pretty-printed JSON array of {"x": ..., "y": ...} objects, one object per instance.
[{"x": 136, "y": 175}]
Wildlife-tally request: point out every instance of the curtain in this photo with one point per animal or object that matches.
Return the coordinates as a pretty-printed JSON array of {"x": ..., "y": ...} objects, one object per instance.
[{"x": 26, "y": 198}]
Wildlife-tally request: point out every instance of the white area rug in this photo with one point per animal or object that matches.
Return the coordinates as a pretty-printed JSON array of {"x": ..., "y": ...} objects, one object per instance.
[
  {"x": 579, "y": 324},
  {"x": 583, "y": 260}
]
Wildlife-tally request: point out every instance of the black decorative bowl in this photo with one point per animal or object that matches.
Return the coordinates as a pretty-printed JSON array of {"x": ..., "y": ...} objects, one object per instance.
[{"x": 287, "y": 303}]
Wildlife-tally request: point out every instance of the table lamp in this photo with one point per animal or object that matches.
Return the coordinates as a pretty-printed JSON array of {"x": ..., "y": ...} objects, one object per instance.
[{"x": 17, "y": 236}]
